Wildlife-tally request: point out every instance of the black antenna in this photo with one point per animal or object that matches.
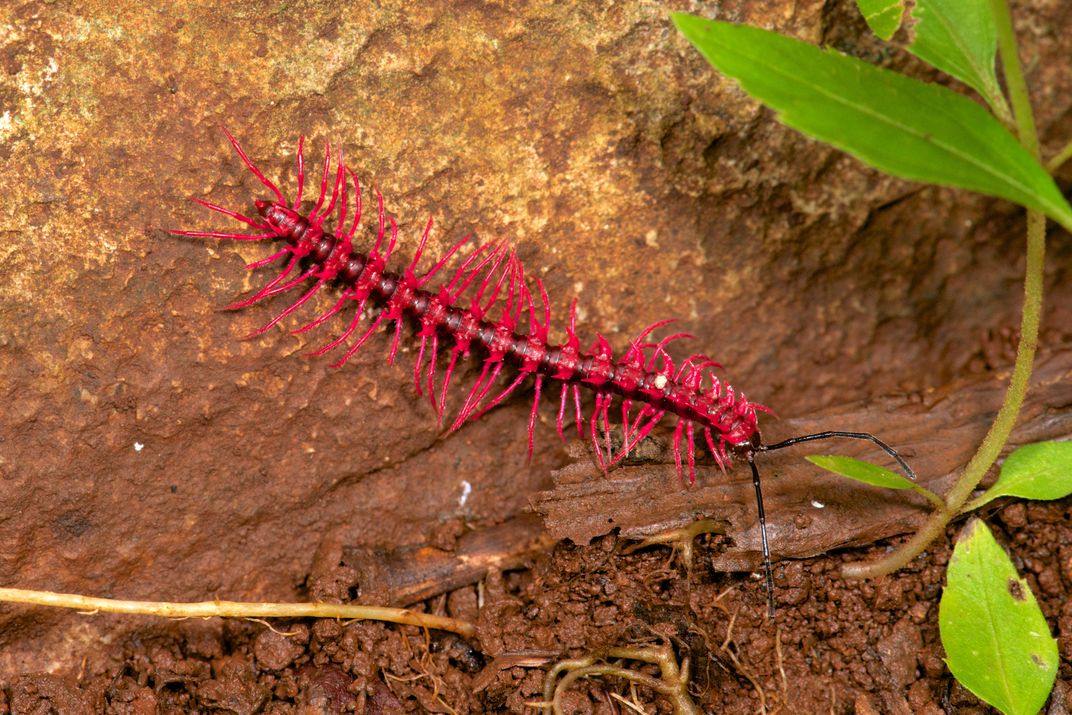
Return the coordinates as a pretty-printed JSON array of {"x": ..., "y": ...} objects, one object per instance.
[
  {"x": 848, "y": 435},
  {"x": 751, "y": 456},
  {"x": 763, "y": 534}
]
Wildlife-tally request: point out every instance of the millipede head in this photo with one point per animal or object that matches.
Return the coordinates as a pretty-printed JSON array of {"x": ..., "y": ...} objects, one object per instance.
[{"x": 748, "y": 445}]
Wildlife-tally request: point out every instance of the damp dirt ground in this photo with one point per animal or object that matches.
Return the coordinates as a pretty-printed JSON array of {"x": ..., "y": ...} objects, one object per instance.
[{"x": 834, "y": 647}]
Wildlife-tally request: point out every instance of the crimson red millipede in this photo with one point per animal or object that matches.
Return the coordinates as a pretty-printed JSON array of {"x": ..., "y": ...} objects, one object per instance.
[{"x": 479, "y": 312}]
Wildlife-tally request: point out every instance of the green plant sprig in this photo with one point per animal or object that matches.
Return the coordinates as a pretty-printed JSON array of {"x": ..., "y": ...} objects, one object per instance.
[
  {"x": 995, "y": 635},
  {"x": 998, "y": 434}
]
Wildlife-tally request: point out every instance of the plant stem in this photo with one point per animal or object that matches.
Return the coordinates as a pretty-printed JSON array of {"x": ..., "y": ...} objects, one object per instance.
[
  {"x": 1062, "y": 156},
  {"x": 933, "y": 498},
  {"x": 1014, "y": 77},
  {"x": 1000, "y": 430},
  {"x": 235, "y": 609}
]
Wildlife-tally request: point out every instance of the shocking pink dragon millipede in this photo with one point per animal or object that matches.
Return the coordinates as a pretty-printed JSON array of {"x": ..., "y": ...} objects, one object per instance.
[{"x": 499, "y": 298}]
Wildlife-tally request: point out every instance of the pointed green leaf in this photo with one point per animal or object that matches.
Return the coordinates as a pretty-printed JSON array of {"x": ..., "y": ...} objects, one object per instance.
[
  {"x": 996, "y": 640},
  {"x": 861, "y": 471},
  {"x": 960, "y": 38},
  {"x": 882, "y": 16},
  {"x": 1036, "y": 471},
  {"x": 900, "y": 125}
]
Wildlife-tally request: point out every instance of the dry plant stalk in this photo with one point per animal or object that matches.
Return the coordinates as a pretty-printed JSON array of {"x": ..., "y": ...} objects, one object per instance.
[
  {"x": 673, "y": 683},
  {"x": 237, "y": 609}
]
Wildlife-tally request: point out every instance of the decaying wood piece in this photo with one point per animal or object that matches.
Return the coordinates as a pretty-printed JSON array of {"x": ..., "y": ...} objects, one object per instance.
[
  {"x": 810, "y": 512},
  {"x": 414, "y": 573}
]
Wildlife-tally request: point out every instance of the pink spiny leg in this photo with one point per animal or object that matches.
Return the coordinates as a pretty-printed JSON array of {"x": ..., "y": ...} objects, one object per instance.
[
  {"x": 690, "y": 451},
  {"x": 360, "y": 341},
  {"x": 412, "y": 267},
  {"x": 344, "y": 247},
  {"x": 269, "y": 260},
  {"x": 479, "y": 391},
  {"x": 454, "y": 353},
  {"x": 397, "y": 338},
  {"x": 594, "y": 432},
  {"x": 537, "y": 329},
  {"x": 382, "y": 223},
  {"x": 714, "y": 450},
  {"x": 626, "y": 405},
  {"x": 649, "y": 330},
  {"x": 274, "y": 288},
  {"x": 532, "y": 414},
  {"x": 301, "y": 171},
  {"x": 292, "y": 283},
  {"x": 639, "y": 433},
  {"x": 579, "y": 421},
  {"x": 432, "y": 370},
  {"x": 418, "y": 363},
  {"x": 394, "y": 240},
  {"x": 443, "y": 261},
  {"x": 466, "y": 272},
  {"x": 297, "y": 304},
  {"x": 562, "y": 410},
  {"x": 323, "y": 180},
  {"x": 233, "y": 214},
  {"x": 343, "y": 202},
  {"x": 343, "y": 299},
  {"x": 508, "y": 320},
  {"x": 577, "y": 406},
  {"x": 431, "y": 330},
  {"x": 362, "y": 300},
  {"x": 606, "y": 424},
  {"x": 221, "y": 234},
  {"x": 357, "y": 206},
  {"x": 677, "y": 445},
  {"x": 340, "y": 177},
  {"x": 511, "y": 313},
  {"x": 660, "y": 349},
  {"x": 498, "y": 398},
  {"x": 395, "y": 310},
  {"x": 253, "y": 167},
  {"x": 265, "y": 291}
]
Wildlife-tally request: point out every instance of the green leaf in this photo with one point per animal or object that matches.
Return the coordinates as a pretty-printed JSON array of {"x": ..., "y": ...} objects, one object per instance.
[
  {"x": 1036, "y": 471},
  {"x": 882, "y": 16},
  {"x": 861, "y": 471},
  {"x": 996, "y": 640},
  {"x": 960, "y": 38},
  {"x": 900, "y": 125}
]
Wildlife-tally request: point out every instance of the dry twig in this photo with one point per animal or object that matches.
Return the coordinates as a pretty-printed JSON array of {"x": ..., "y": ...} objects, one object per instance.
[{"x": 237, "y": 609}]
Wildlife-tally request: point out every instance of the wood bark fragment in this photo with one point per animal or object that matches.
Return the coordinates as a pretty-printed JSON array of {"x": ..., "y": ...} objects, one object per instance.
[
  {"x": 810, "y": 512},
  {"x": 414, "y": 573}
]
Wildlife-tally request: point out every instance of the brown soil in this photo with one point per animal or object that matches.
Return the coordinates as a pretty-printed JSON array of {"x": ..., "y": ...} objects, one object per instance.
[{"x": 834, "y": 647}]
